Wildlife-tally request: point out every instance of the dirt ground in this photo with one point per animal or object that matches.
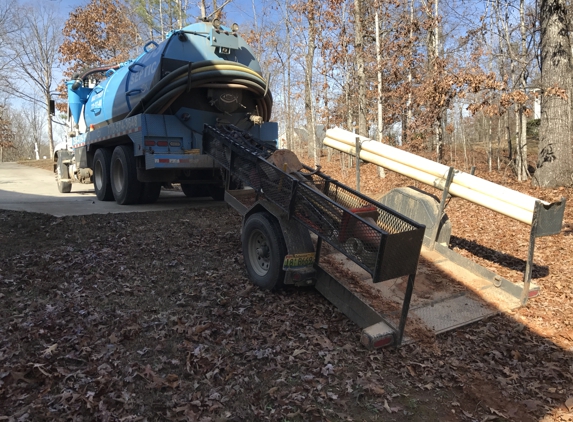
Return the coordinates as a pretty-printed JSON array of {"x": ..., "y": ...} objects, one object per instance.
[{"x": 151, "y": 317}]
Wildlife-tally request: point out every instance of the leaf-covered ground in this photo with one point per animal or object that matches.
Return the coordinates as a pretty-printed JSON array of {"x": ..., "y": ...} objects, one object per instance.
[{"x": 150, "y": 316}]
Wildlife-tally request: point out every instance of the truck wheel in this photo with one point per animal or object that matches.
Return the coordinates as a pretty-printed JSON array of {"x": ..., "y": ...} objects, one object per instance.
[
  {"x": 124, "y": 184},
  {"x": 62, "y": 173},
  {"x": 264, "y": 251},
  {"x": 150, "y": 193},
  {"x": 102, "y": 182}
]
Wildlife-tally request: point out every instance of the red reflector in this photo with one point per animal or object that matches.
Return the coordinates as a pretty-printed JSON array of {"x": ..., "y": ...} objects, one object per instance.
[
  {"x": 149, "y": 143},
  {"x": 162, "y": 143},
  {"x": 533, "y": 293},
  {"x": 384, "y": 341}
]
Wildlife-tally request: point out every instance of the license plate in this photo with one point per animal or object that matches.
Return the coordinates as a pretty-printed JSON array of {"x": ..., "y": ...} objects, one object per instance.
[{"x": 298, "y": 260}]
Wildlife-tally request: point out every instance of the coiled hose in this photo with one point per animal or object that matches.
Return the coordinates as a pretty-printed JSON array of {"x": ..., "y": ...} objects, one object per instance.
[{"x": 206, "y": 73}]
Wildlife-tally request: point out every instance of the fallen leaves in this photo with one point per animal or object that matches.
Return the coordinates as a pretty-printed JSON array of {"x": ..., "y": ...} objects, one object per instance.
[{"x": 127, "y": 317}]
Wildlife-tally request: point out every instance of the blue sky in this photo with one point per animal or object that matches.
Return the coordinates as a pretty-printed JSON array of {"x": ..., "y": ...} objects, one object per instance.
[{"x": 238, "y": 10}]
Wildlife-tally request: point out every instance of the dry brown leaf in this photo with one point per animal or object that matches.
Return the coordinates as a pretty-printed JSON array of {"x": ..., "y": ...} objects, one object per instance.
[
  {"x": 411, "y": 370},
  {"x": 48, "y": 352}
]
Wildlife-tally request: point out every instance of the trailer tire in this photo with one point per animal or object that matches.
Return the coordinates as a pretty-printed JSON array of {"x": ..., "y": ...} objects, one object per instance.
[
  {"x": 150, "y": 193},
  {"x": 102, "y": 182},
  {"x": 124, "y": 183},
  {"x": 62, "y": 173},
  {"x": 264, "y": 250}
]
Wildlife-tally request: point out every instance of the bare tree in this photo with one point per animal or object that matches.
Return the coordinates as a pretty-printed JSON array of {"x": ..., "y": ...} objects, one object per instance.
[
  {"x": 35, "y": 57},
  {"x": 6, "y": 133},
  {"x": 8, "y": 28}
]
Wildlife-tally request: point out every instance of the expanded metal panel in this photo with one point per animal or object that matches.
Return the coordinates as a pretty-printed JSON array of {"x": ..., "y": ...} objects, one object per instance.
[
  {"x": 381, "y": 241},
  {"x": 452, "y": 313}
]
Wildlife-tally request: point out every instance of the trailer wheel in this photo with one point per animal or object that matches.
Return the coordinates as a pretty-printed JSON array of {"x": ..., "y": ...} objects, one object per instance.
[
  {"x": 124, "y": 184},
  {"x": 62, "y": 173},
  {"x": 150, "y": 193},
  {"x": 264, "y": 251},
  {"x": 102, "y": 183}
]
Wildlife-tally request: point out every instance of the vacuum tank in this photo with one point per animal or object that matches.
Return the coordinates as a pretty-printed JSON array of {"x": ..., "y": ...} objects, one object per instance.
[{"x": 203, "y": 73}]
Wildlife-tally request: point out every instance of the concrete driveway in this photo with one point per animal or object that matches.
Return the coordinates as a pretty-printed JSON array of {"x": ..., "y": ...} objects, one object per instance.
[{"x": 24, "y": 188}]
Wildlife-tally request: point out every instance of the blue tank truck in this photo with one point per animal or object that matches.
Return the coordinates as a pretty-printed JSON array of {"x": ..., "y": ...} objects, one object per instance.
[
  {"x": 195, "y": 110},
  {"x": 142, "y": 124}
]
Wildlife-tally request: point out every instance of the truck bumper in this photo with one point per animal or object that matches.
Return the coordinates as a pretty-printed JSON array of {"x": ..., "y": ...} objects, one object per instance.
[{"x": 178, "y": 161}]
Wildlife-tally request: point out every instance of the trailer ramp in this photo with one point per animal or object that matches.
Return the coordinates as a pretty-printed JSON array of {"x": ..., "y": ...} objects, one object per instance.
[{"x": 446, "y": 296}]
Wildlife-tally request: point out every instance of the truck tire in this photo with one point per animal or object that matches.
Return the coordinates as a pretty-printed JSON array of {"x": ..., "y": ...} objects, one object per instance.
[
  {"x": 264, "y": 250},
  {"x": 150, "y": 193},
  {"x": 102, "y": 182},
  {"x": 62, "y": 173},
  {"x": 124, "y": 184}
]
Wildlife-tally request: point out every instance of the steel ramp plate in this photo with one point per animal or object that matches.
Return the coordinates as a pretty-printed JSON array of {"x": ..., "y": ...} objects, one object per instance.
[
  {"x": 452, "y": 313},
  {"x": 446, "y": 296}
]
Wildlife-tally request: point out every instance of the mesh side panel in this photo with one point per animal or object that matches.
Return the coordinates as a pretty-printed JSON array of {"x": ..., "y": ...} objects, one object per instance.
[
  {"x": 276, "y": 185},
  {"x": 364, "y": 230},
  {"x": 385, "y": 219},
  {"x": 357, "y": 238},
  {"x": 246, "y": 170}
]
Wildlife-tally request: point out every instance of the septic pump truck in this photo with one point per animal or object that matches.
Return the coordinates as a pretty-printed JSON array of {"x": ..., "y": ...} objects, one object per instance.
[{"x": 138, "y": 125}]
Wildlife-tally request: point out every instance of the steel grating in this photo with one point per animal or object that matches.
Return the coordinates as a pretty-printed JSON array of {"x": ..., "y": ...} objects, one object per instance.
[{"x": 452, "y": 313}]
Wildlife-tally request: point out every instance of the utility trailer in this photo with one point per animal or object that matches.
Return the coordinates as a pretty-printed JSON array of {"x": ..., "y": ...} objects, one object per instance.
[{"x": 304, "y": 228}]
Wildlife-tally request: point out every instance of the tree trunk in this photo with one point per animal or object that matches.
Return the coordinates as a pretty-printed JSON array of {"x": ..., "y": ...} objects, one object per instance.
[
  {"x": 522, "y": 173},
  {"x": 49, "y": 121},
  {"x": 380, "y": 125},
  {"x": 508, "y": 138},
  {"x": 555, "y": 159},
  {"x": 489, "y": 145},
  {"x": 360, "y": 71},
  {"x": 408, "y": 117},
  {"x": 308, "y": 106}
]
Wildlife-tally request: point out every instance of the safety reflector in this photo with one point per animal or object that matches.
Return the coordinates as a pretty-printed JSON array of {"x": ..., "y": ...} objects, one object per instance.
[{"x": 377, "y": 335}]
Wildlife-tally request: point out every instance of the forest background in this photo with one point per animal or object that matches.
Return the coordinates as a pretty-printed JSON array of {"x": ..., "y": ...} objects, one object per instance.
[{"x": 442, "y": 77}]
